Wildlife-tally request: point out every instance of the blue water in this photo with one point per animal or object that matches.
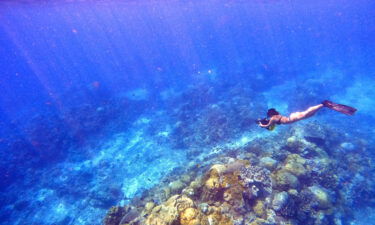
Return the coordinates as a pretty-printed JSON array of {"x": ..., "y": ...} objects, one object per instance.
[{"x": 100, "y": 100}]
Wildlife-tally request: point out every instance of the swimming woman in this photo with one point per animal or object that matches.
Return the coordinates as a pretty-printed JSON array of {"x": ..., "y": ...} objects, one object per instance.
[{"x": 274, "y": 116}]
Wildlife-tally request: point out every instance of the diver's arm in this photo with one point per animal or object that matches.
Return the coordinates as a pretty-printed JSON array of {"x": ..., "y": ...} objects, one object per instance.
[
  {"x": 264, "y": 126},
  {"x": 271, "y": 122}
]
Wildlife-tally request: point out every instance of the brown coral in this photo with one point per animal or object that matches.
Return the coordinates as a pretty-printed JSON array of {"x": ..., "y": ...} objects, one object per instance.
[
  {"x": 233, "y": 196},
  {"x": 217, "y": 218}
]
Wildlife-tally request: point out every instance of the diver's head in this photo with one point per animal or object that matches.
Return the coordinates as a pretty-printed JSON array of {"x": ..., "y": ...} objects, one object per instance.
[{"x": 272, "y": 112}]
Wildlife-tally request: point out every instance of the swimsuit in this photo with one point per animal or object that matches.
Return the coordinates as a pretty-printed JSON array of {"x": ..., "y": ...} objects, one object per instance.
[{"x": 279, "y": 122}]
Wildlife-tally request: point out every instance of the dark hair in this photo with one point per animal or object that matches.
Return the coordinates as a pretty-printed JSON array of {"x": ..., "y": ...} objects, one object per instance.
[{"x": 272, "y": 112}]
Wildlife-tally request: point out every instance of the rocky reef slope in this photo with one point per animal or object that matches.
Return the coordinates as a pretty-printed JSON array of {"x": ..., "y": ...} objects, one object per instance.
[{"x": 308, "y": 174}]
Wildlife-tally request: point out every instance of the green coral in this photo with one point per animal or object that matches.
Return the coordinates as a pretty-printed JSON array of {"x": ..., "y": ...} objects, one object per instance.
[
  {"x": 285, "y": 180},
  {"x": 295, "y": 164}
]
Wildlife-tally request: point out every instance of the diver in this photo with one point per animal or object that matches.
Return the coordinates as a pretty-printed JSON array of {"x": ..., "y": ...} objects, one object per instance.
[{"x": 274, "y": 117}]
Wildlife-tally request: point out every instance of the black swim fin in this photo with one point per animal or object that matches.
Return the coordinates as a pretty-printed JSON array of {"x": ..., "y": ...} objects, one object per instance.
[{"x": 339, "y": 108}]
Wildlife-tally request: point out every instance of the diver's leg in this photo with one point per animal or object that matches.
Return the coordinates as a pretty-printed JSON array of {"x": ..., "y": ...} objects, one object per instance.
[
  {"x": 311, "y": 111},
  {"x": 305, "y": 114},
  {"x": 295, "y": 117}
]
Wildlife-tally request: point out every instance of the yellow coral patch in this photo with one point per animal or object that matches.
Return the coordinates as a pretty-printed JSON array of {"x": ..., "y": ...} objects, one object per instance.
[
  {"x": 149, "y": 206},
  {"x": 212, "y": 183},
  {"x": 217, "y": 169},
  {"x": 168, "y": 213},
  {"x": 190, "y": 216},
  {"x": 259, "y": 209}
]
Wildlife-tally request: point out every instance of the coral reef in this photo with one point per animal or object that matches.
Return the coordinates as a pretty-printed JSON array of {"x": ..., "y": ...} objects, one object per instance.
[{"x": 261, "y": 186}]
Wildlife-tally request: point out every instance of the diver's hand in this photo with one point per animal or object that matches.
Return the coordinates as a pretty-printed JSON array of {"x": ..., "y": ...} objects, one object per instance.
[
  {"x": 258, "y": 121},
  {"x": 263, "y": 126}
]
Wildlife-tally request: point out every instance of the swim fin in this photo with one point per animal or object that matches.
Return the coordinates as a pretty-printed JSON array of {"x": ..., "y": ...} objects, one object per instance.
[{"x": 339, "y": 108}]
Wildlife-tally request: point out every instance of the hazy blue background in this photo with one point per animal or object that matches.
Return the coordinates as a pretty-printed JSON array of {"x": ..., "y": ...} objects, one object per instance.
[
  {"x": 58, "y": 58},
  {"x": 48, "y": 48}
]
